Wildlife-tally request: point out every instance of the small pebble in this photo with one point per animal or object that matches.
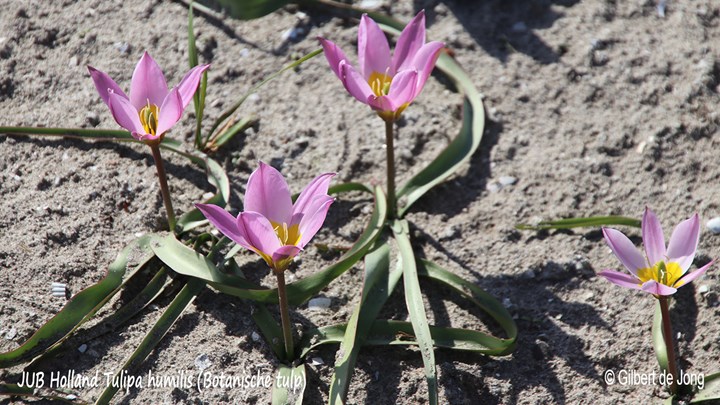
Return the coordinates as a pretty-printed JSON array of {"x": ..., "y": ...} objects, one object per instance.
[
  {"x": 507, "y": 181},
  {"x": 83, "y": 348},
  {"x": 10, "y": 335},
  {"x": 202, "y": 362},
  {"x": 92, "y": 118},
  {"x": 319, "y": 303},
  {"x": 255, "y": 337},
  {"x": 703, "y": 289},
  {"x": 316, "y": 361},
  {"x": 714, "y": 225},
  {"x": 370, "y": 4},
  {"x": 123, "y": 47}
]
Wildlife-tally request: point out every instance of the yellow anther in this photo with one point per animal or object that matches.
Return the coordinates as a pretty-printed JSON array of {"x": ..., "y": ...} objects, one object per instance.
[
  {"x": 149, "y": 118},
  {"x": 664, "y": 273}
]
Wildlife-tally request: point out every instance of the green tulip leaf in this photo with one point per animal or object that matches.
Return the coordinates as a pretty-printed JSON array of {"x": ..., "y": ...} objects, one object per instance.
[
  {"x": 378, "y": 283},
  {"x": 710, "y": 390},
  {"x": 416, "y": 307},
  {"x": 289, "y": 385},
  {"x": 493, "y": 346},
  {"x": 570, "y": 223},
  {"x": 247, "y": 9}
]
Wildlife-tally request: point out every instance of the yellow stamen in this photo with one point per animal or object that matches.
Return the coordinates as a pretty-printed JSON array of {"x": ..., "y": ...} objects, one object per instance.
[
  {"x": 149, "y": 118},
  {"x": 287, "y": 235},
  {"x": 664, "y": 273},
  {"x": 380, "y": 83}
]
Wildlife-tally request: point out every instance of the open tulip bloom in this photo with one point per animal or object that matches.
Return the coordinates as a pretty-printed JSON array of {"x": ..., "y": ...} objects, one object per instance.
[
  {"x": 387, "y": 83},
  {"x": 151, "y": 109},
  {"x": 271, "y": 225},
  {"x": 661, "y": 271}
]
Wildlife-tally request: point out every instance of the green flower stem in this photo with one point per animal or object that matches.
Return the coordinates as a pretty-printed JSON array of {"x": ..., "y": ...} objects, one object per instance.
[
  {"x": 390, "y": 152},
  {"x": 667, "y": 335},
  {"x": 285, "y": 315},
  {"x": 155, "y": 147}
]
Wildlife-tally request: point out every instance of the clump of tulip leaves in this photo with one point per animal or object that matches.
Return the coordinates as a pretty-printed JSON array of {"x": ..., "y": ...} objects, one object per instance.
[{"x": 187, "y": 261}]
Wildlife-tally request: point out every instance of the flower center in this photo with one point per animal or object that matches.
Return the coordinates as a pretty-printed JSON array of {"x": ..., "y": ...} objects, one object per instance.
[
  {"x": 664, "y": 273},
  {"x": 287, "y": 235},
  {"x": 149, "y": 118},
  {"x": 380, "y": 83}
]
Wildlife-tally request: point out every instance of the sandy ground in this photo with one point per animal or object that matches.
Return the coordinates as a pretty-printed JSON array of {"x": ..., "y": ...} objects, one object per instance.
[{"x": 594, "y": 107}]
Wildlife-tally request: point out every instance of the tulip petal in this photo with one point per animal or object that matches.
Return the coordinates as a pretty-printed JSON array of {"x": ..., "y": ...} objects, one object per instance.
[
  {"x": 653, "y": 237},
  {"x": 189, "y": 84},
  {"x": 224, "y": 222},
  {"x": 382, "y": 103},
  {"x": 424, "y": 62},
  {"x": 312, "y": 220},
  {"x": 411, "y": 39},
  {"x": 268, "y": 194},
  {"x": 655, "y": 288},
  {"x": 624, "y": 249},
  {"x": 170, "y": 111},
  {"x": 125, "y": 114},
  {"x": 684, "y": 241},
  {"x": 402, "y": 89},
  {"x": 148, "y": 83},
  {"x": 355, "y": 84},
  {"x": 105, "y": 85},
  {"x": 286, "y": 252},
  {"x": 621, "y": 279},
  {"x": 373, "y": 48},
  {"x": 693, "y": 275},
  {"x": 333, "y": 54},
  {"x": 318, "y": 186},
  {"x": 259, "y": 233}
]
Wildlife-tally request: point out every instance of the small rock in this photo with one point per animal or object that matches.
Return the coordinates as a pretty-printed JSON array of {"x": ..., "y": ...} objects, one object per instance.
[
  {"x": 450, "y": 232},
  {"x": 255, "y": 337},
  {"x": 714, "y": 225},
  {"x": 123, "y": 47},
  {"x": 507, "y": 181},
  {"x": 493, "y": 187},
  {"x": 92, "y": 118},
  {"x": 370, "y": 4},
  {"x": 316, "y": 361},
  {"x": 10, "y": 335},
  {"x": 641, "y": 147},
  {"x": 73, "y": 61},
  {"x": 661, "y": 8},
  {"x": 293, "y": 34},
  {"x": 507, "y": 303},
  {"x": 83, "y": 348},
  {"x": 319, "y": 303},
  {"x": 202, "y": 362},
  {"x": 703, "y": 289}
]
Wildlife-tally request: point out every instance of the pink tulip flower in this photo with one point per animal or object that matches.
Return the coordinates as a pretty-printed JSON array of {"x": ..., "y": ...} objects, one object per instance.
[
  {"x": 387, "y": 83},
  {"x": 151, "y": 109},
  {"x": 661, "y": 271},
  {"x": 271, "y": 225}
]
